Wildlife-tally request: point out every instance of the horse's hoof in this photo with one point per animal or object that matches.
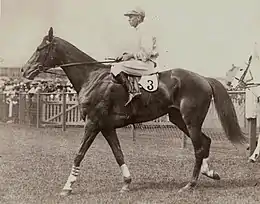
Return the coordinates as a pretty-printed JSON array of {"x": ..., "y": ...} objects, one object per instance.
[
  {"x": 181, "y": 190},
  {"x": 124, "y": 189},
  {"x": 65, "y": 192},
  {"x": 186, "y": 188},
  {"x": 251, "y": 160},
  {"x": 216, "y": 176}
]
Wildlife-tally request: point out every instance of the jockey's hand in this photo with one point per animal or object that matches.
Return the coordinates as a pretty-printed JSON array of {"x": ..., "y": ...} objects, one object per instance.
[
  {"x": 119, "y": 59},
  {"x": 127, "y": 56}
]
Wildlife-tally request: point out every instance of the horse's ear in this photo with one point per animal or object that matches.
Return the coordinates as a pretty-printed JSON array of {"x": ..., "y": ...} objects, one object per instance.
[{"x": 50, "y": 34}]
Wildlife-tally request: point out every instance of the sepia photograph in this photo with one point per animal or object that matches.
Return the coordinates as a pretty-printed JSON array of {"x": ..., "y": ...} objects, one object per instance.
[{"x": 129, "y": 102}]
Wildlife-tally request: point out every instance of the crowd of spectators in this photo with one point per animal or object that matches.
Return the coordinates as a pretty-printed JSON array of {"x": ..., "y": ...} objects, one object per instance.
[
  {"x": 11, "y": 88},
  {"x": 46, "y": 86}
]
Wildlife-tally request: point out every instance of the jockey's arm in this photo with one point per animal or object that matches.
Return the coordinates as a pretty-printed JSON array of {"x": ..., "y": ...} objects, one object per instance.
[
  {"x": 145, "y": 53},
  {"x": 148, "y": 48}
]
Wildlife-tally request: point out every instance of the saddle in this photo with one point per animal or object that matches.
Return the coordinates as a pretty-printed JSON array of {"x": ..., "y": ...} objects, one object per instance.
[{"x": 133, "y": 84}]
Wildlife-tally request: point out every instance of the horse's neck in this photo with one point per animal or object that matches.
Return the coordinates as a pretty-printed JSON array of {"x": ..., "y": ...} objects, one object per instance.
[{"x": 77, "y": 75}]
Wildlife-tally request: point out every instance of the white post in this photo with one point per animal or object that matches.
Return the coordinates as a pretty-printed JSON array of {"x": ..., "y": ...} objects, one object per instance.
[{"x": 251, "y": 113}]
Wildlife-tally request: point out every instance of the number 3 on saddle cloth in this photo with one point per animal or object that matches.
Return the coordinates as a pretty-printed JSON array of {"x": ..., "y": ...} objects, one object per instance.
[
  {"x": 134, "y": 73},
  {"x": 147, "y": 82}
]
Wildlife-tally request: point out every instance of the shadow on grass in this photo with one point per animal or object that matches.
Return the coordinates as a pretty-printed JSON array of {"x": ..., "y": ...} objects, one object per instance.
[
  {"x": 211, "y": 184},
  {"x": 172, "y": 186},
  {"x": 175, "y": 185}
]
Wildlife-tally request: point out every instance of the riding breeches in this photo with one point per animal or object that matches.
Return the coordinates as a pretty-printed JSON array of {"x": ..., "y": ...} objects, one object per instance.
[{"x": 133, "y": 67}]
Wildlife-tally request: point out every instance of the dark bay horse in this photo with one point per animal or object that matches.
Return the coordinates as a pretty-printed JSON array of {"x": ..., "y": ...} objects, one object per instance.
[{"x": 183, "y": 95}]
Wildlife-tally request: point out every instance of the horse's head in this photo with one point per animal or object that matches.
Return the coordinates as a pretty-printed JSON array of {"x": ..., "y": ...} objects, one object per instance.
[
  {"x": 237, "y": 76},
  {"x": 44, "y": 58},
  {"x": 233, "y": 75}
]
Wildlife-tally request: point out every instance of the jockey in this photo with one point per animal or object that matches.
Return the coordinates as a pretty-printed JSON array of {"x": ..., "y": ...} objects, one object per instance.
[{"x": 140, "y": 62}]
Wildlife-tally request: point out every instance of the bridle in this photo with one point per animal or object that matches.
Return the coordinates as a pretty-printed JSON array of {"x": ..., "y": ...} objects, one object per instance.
[{"x": 43, "y": 69}]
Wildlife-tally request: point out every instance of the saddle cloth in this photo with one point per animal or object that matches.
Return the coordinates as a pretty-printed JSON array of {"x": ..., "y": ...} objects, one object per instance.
[
  {"x": 147, "y": 82},
  {"x": 144, "y": 72}
]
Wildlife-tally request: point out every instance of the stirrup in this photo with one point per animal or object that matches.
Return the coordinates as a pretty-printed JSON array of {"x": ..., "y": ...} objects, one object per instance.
[{"x": 131, "y": 96}]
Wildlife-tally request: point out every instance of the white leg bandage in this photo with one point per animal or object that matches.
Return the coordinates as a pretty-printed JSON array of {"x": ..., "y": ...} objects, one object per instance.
[
  {"x": 125, "y": 171},
  {"x": 205, "y": 168},
  {"x": 72, "y": 178}
]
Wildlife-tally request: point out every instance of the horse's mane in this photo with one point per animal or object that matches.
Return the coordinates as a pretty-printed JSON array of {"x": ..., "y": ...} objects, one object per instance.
[
  {"x": 100, "y": 70},
  {"x": 83, "y": 54}
]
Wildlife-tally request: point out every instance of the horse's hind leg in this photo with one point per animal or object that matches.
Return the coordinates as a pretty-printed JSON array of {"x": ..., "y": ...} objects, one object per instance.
[
  {"x": 90, "y": 134},
  {"x": 114, "y": 144},
  {"x": 205, "y": 170},
  {"x": 176, "y": 118},
  {"x": 193, "y": 115}
]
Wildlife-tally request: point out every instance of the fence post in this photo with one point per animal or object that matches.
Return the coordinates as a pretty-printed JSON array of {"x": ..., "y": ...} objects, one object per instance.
[
  {"x": 6, "y": 108},
  {"x": 63, "y": 110},
  {"x": 252, "y": 134},
  {"x": 21, "y": 107},
  {"x": 133, "y": 132},
  {"x": 38, "y": 110}
]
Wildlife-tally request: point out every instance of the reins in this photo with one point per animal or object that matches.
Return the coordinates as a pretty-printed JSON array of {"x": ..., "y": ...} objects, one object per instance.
[
  {"x": 87, "y": 63},
  {"x": 110, "y": 60}
]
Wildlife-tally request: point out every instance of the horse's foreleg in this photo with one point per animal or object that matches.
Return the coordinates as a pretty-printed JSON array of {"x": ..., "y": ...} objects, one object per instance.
[
  {"x": 256, "y": 153},
  {"x": 91, "y": 131},
  {"x": 114, "y": 143}
]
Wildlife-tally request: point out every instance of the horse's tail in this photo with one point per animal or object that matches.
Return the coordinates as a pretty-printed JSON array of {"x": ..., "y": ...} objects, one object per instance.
[{"x": 226, "y": 112}]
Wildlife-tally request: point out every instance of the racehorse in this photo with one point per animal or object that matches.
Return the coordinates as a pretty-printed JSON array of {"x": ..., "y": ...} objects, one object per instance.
[{"x": 184, "y": 95}]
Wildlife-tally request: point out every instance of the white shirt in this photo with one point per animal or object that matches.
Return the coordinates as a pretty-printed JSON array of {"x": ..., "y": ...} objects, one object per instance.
[{"x": 146, "y": 43}]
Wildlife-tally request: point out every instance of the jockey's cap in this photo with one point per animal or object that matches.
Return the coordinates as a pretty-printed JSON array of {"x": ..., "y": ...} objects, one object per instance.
[{"x": 137, "y": 11}]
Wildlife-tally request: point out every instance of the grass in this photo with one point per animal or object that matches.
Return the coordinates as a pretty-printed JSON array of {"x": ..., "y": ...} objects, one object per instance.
[{"x": 35, "y": 164}]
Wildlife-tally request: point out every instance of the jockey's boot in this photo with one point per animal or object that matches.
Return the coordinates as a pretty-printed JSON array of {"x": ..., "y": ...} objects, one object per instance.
[
  {"x": 134, "y": 90},
  {"x": 130, "y": 87}
]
